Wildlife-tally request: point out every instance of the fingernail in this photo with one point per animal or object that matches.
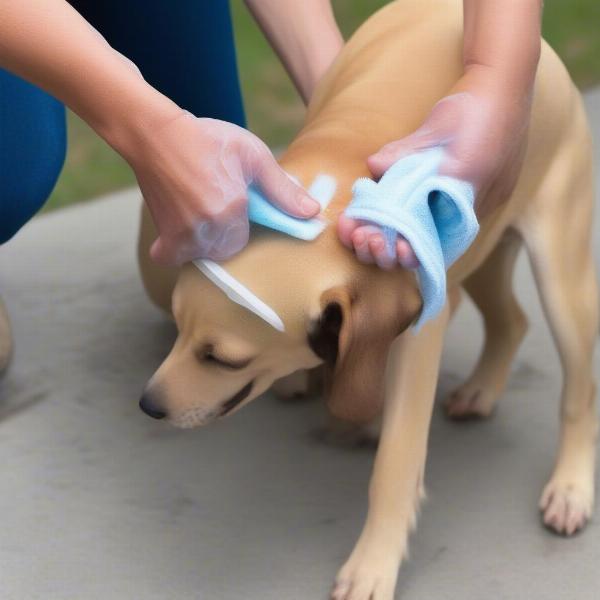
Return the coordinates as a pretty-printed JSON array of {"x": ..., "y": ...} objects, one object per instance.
[{"x": 309, "y": 206}]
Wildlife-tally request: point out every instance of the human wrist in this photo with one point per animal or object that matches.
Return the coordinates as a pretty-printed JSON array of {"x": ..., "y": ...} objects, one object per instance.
[
  {"x": 130, "y": 123},
  {"x": 496, "y": 84}
]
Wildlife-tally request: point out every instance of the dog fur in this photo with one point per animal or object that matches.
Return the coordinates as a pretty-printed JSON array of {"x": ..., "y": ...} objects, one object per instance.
[{"x": 354, "y": 319}]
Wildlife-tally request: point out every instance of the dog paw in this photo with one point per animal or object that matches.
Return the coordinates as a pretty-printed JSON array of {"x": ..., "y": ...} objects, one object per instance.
[
  {"x": 292, "y": 387},
  {"x": 366, "y": 578},
  {"x": 342, "y": 434},
  {"x": 566, "y": 506},
  {"x": 470, "y": 402}
]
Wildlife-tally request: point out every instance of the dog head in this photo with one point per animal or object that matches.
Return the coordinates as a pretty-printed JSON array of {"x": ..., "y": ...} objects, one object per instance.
[{"x": 225, "y": 355}]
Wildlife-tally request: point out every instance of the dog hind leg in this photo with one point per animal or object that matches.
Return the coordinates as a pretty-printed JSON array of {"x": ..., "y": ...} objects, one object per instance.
[
  {"x": 292, "y": 387},
  {"x": 558, "y": 240},
  {"x": 299, "y": 384},
  {"x": 490, "y": 288}
]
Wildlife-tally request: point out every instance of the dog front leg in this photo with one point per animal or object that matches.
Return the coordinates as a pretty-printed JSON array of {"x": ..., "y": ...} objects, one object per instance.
[{"x": 397, "y": 480}]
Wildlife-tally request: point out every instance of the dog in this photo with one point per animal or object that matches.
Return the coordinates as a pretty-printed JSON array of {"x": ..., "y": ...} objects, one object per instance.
[{"x": 354, "y": 320}]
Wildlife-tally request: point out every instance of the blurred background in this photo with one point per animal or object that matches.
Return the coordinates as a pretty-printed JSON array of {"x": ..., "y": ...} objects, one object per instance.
[{"x": 572, "y": 27}]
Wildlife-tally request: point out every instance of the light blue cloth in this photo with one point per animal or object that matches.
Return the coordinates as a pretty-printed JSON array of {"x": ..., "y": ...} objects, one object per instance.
[
  {"x": 433, "y": 212},
  {"x": 262, "y": 212}
]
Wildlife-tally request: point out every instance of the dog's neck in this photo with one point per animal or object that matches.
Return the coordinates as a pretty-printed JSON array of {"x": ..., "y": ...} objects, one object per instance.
[{"x": 288, "y": 274}]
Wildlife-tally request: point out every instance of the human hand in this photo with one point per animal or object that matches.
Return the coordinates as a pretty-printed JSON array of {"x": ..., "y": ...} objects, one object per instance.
[
  {"x": 193, "y": 172},
  {"x": 194, "y": 175},
  {"x": 482, "y": 127}
]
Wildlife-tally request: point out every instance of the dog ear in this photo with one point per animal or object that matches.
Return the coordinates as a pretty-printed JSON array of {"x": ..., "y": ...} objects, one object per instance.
[{"x": 353, "y": 335}]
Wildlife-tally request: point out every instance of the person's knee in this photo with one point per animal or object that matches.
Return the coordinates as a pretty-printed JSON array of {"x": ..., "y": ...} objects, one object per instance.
[
  {"x": 32, "y": 153},
  {"x": 24, "y": 196}
]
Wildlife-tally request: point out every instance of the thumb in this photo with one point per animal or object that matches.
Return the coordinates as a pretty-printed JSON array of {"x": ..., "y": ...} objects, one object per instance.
[
  {"x": 421, "y": 139},
  {"x": 284, "y": 193}
]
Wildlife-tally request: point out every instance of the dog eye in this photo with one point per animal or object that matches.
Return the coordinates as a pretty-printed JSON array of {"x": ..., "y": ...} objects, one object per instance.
[
  {"x": 209, "y": 357},
  {"x": 206, "y": 355}
]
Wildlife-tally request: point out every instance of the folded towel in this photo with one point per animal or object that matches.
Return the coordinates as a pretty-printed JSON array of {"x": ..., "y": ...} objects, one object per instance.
[{"x": 434, "y": 213}]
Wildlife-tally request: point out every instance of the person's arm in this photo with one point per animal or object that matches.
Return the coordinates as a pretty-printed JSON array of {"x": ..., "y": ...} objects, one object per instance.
[
  {"x": 504, "y": 37},
  {"x": 193, "y": 172},
  {"x": 482, "y": 123},
  {"x": 48, "y": 43},
  {"x": 304, "y": 34}
]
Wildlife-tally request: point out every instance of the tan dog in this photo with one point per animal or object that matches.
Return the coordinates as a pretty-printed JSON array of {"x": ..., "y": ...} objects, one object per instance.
[{"x": 351, "y": 317}]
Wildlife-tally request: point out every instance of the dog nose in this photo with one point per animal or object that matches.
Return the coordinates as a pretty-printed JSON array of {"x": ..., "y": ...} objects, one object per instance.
[{"x": 150, "y": 408}]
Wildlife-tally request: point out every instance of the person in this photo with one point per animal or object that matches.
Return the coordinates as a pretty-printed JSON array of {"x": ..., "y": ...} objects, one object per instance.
[
  {"x": 481, "y": 124},
  {"x": 137, "y": 72},
  {"x": 158, "y": 82}
]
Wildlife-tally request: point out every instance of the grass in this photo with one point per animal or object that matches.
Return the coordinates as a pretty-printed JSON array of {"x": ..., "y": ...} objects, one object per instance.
[{"x": 274, "y": 110}]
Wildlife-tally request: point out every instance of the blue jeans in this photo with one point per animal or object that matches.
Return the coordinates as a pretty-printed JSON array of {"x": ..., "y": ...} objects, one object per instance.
[{"x": 185, "y": 49}]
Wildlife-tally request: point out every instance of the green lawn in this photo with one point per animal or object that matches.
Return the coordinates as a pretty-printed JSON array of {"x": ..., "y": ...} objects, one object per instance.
[{"x": 274, "y": 112}]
